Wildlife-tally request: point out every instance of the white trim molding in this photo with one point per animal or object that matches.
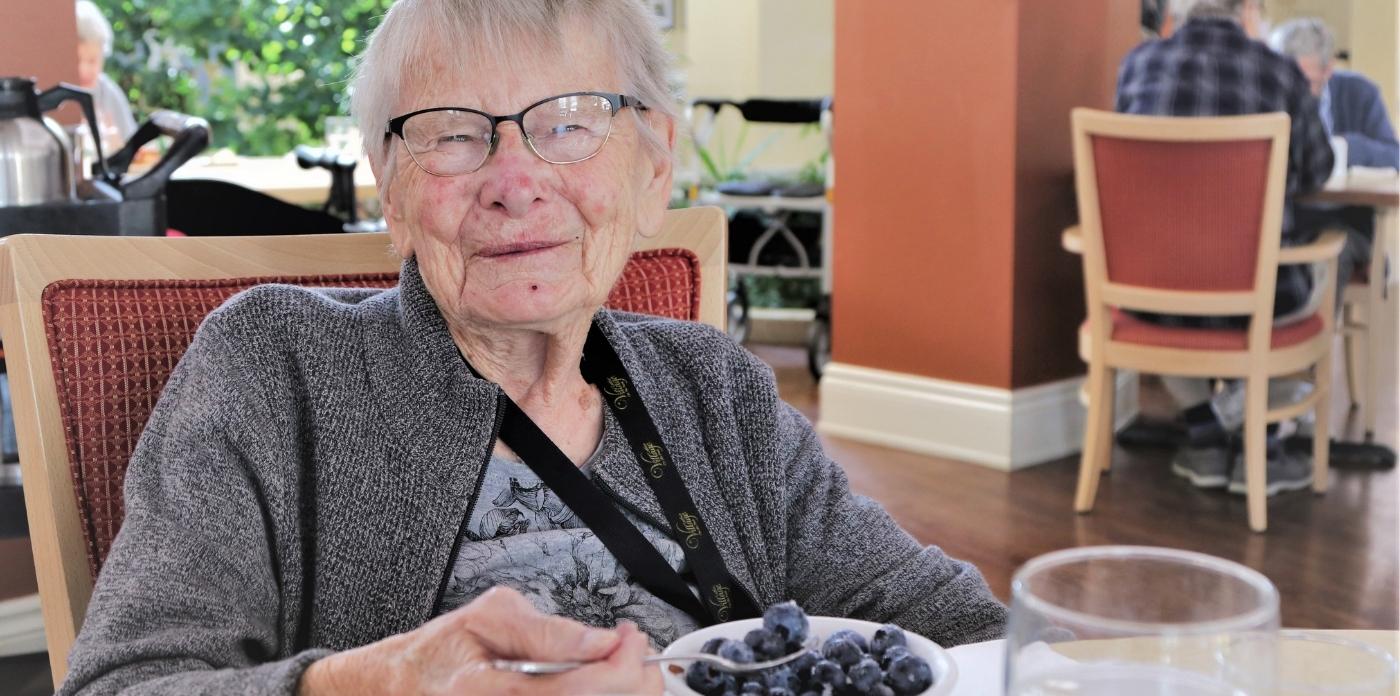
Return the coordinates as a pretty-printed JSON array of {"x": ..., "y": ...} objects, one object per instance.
[
  {"x": 1000, "y": 428},
  {"x": 21, "y": 626}
]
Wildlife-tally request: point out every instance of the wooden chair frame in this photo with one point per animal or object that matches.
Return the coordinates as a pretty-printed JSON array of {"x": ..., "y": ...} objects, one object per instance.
[
  {"x": 30, "y": 263},
  {"x": 1257, "y": 363}
]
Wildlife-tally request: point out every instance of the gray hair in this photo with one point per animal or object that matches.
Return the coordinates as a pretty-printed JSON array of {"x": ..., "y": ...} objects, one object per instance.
[
  {"x": 1182, "y": 10},
  {"x": 1305, "y": 36},
  {"x": 93, "y": 27},
  {"x": 418, "y": 37}
]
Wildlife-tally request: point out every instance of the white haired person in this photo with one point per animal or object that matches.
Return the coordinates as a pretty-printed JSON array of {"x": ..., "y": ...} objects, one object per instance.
[
  {"x": 1353, "y": 114},
  {"x": 114, "y": 119},
  {"x": 1210, "y": 66},
  {"x": 1350, "y": 105},
  {"x": 347, "y": 492}
]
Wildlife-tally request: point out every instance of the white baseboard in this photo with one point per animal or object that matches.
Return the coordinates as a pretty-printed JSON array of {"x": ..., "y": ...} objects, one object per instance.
[
  {"x": 999, "y": 428},
  {"x": 21, "y": 626}
]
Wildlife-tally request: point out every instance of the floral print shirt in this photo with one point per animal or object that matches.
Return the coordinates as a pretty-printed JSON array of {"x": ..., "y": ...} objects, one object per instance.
[{"x": 520, "y": 534}]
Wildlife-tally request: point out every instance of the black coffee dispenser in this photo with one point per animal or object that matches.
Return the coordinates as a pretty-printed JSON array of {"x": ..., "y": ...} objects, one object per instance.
[{"x": 38, "y": 193}]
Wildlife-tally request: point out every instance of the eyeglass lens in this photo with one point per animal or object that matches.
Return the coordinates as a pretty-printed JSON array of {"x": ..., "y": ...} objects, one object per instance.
[{"x": 561, "y": 130}]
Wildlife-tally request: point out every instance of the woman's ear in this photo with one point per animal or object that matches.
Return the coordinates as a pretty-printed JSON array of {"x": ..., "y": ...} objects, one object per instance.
[
  {"x": 656, "y": 191},
  {"x": 393, "y": 214}
]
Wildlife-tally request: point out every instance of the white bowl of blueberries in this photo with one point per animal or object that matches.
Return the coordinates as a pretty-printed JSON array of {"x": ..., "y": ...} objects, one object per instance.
[{"x": 844, "y": 656}]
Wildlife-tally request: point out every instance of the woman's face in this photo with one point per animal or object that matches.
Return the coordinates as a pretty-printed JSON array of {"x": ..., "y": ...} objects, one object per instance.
[
  {"x": 90, "y": 61},
  {"x": 520, "y": 242}
]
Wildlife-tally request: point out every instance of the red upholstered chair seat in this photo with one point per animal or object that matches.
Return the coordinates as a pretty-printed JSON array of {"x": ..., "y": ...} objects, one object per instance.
[
  {"x": 1130, "y": 329},
  {"x": 113, "y": 344}
]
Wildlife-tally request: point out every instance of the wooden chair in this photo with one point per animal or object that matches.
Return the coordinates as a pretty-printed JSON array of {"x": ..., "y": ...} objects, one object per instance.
[
  {"x": 94, "y": 325},
  {"x": 1182, "y": 216}
]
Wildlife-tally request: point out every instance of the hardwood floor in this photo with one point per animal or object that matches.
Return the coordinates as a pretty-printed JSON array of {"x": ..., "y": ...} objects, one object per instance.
[{"x": 1333, "y": 557}]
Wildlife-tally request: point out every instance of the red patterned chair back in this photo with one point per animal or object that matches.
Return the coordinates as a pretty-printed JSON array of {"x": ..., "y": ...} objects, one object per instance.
[{"x": 114, "y": 343}]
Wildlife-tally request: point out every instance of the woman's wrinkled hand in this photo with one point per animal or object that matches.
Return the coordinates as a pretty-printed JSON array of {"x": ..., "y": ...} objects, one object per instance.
[{"x": 452, "y": 655}]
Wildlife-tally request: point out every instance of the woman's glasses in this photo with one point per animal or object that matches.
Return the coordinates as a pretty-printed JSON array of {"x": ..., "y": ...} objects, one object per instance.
[{"x": 568, "y": 128}]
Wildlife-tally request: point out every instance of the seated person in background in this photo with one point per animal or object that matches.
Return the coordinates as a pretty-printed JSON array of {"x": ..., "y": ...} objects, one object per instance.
[
  {"x": 114, "y": 118},
  {"x": 1353, "y": 114},
  {"x": 1211, "y": 67},
  {"x": 1350, "y": 105},
  {"x": 332, "y": 479}
]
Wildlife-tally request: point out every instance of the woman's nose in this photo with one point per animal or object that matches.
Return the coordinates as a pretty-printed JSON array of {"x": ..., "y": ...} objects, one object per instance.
[{"x": 514, "y": 175}]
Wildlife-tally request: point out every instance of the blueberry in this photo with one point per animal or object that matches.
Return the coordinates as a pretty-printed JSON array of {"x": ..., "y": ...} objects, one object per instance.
[
  {"x": 810, "y": 693},
  {"x": 766, "y": 644},
  {"x": 829, "y": 673},
  {"x": 908, "y": 675},
  {"x": 802, "y": 666},
  {"x": 864, "y": 675},
  {"x": 788, "y": 620},
  {"x": 886, "y": 637},
  {"x": 753, "y": 687},
  {"x": 711, "y": 646},
  {"x": 841, "y": 651},
  {"x": 780, "y": 677},
  {"x": 882, "y": 690},
  {"x": 891, "y": 654},
  {"x": 704, "y": 678},
  {"x": 735, "y": 651},
  {"x": 780, "y": 691},
  {"x": 852, "y": 636}
]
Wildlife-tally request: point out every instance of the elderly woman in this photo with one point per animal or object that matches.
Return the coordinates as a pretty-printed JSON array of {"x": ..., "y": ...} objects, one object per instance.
[
  {"x": 333, "y": 482},
  {"x": 114, "y": 117}
]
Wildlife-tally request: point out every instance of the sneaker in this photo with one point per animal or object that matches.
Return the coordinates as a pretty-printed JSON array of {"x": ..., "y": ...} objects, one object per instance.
[
  {"x": 1282, "y": 472},
  {"x": 1204, "y": 467}
]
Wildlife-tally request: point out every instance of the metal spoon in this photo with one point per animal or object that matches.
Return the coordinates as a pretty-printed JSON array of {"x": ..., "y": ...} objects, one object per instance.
[{"x": 721, "y": 664}]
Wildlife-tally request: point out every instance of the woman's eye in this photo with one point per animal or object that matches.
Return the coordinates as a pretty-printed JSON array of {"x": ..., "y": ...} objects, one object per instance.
[
  {"x": 456, "y": 138},
  {"x": 565, "y": 129}
]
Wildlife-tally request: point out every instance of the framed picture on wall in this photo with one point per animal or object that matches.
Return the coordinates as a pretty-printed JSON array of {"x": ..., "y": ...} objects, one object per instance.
[{"x": 665, "y": 11}]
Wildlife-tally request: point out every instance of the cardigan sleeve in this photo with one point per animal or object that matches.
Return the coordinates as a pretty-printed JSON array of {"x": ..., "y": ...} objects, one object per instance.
[
  {"x": 845, "y": 555},
  {"x": 190, "y": 599},
  {"x": 848, "y": 557}
]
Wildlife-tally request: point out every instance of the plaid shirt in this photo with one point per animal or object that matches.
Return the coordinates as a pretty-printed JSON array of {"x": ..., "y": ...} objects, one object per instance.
[{"x": 1210, "y": 67}]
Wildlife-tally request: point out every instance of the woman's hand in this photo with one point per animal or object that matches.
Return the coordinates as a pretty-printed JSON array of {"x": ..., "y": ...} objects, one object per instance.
[{"x": 452, "y": 655}]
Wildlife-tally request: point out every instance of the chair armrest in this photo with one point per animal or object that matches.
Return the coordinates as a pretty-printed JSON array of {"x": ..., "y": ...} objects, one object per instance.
[
  {"x": 1327, "y": 246},
  {"x": 1072, "y": 240}
]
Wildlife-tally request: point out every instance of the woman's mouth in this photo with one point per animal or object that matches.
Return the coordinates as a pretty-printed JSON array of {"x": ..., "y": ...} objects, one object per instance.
[{"x": 518, "y": 249}]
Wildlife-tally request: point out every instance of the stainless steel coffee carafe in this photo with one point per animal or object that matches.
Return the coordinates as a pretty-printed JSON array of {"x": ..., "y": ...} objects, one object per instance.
[{"x": 35, "y": 154}]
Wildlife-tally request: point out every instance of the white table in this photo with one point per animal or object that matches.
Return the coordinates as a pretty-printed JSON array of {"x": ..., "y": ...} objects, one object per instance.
[
  {"x": 980, "y": 665},
  {"x": 279, "y": 177}
]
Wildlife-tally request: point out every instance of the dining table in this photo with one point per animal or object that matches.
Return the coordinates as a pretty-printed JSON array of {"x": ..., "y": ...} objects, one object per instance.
[
  {"x": 981, "y": 665},
  {"x": 1379, "y": 191},
  {"x": 279, "y": 177}
]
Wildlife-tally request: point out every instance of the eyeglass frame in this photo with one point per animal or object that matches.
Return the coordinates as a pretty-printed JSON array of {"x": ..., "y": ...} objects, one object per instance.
[{"x": 617, "y": 101}]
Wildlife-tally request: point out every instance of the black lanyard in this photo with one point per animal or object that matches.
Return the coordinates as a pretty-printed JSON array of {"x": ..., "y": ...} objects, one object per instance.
[{"x": 723, "y": 598}]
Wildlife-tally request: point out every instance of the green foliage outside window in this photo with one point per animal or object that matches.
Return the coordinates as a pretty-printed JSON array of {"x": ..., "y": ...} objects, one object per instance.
[{"x": 264, "y": 73}]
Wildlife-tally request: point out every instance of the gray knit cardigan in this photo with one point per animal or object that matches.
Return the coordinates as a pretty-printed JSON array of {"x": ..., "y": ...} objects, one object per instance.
[{"x": 302, "y": 481}]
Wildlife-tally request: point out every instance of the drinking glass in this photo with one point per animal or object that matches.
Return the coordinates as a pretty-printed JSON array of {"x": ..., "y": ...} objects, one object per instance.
[
  {"x": 342, "y": 135},
  {"x": 1140, "y": 620}
]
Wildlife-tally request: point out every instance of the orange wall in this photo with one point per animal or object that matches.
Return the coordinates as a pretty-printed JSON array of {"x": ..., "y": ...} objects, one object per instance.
[
  {"x": 1053, "y": 76},
  {"x": 39, "y": 39},
  {"x": 17, "y": 578},
  {"x": 924, "y": 152},
  {"x": 953, "y": 180}
]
